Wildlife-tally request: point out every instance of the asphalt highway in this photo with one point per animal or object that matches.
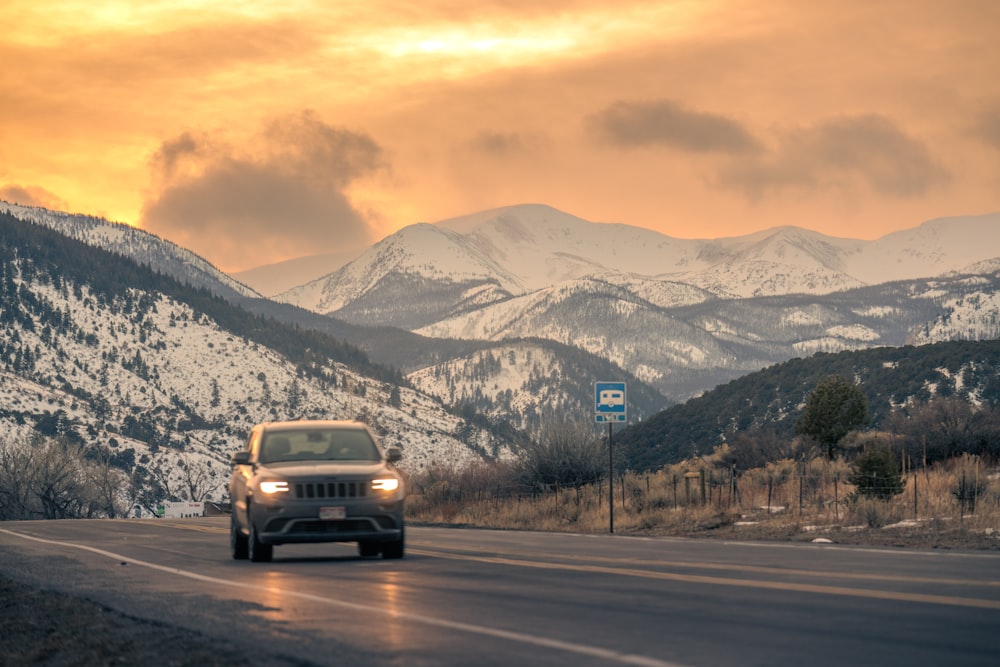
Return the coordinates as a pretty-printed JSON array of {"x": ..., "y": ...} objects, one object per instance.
[{"x": 479, "y": 597}]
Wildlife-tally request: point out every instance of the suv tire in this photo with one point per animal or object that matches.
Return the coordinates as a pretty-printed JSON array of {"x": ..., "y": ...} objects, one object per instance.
[
  {"x": 238, "y": 542},
  {"x": 394, "y": 549},
  {"x": 368, "y": 548}
]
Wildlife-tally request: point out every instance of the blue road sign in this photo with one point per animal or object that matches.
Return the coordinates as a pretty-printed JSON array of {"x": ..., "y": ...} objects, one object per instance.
[{"x": 609, "y": 401}]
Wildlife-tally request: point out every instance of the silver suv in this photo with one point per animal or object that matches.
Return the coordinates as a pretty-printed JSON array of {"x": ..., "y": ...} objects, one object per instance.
[{"x": 315, "y": 481}]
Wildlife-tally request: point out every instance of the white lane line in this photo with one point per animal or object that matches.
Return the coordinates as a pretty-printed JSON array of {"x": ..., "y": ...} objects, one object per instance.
[{"x": 520, "y": 637}]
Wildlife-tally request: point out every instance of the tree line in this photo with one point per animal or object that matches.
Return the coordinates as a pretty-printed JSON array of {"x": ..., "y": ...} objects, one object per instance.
[{"x": 898, "y": 384}]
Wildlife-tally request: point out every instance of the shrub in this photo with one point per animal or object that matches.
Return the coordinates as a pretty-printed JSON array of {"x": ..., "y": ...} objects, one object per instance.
[
  {"x": 876, "y": 473},
  {"x": 969, "y": 485},
  {"x": 872, "y": 511},
  {"x": 564, "y": 455}
]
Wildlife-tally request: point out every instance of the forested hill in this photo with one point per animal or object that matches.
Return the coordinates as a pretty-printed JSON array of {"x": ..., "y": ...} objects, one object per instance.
[
  {"x": 110, "y": 275},
  {"x": 773, "y": 398}
]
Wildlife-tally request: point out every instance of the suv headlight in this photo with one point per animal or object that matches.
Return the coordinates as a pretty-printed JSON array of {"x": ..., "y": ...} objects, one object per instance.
[
  {"x": 385, "y": 484},
  {"x": 270, "y": 486}
]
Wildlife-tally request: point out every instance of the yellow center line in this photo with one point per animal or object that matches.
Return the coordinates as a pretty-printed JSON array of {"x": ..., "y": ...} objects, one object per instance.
[
  {"x": 763, "y": 569},
  {"x": 723, "y": 581}
]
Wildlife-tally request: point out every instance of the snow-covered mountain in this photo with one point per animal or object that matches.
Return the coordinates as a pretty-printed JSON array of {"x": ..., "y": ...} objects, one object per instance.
[
  {"x": 516, "y": 250},
  {"x": 680, "y": 314}
]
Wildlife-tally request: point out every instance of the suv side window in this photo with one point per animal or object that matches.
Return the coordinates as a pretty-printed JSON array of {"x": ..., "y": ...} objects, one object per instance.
[{"x": 253, "y": 443}]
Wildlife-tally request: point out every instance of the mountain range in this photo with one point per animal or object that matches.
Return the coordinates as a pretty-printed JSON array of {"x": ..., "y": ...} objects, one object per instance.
[
  {"x": 514, "y": 313},
  {"x": 518, "y": 250},
  {"x": 456, "y": 339},
  {"x": 679, "y": 314}
]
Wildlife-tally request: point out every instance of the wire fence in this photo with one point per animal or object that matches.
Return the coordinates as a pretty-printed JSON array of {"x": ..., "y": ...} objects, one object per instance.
[{"x": 814, "y": 491}]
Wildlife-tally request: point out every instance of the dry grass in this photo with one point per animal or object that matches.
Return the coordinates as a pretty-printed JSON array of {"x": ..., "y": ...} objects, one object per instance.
[{"x": 786, "y": 500}]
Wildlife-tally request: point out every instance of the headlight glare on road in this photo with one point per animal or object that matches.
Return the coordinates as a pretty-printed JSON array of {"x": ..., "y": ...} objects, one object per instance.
[
  {"x": 385, "y": 484},
  {"x": 273, "y": 486}
]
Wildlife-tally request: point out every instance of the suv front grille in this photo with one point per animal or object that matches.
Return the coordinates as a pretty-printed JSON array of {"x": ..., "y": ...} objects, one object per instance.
[{"x": 307, "y": 490}]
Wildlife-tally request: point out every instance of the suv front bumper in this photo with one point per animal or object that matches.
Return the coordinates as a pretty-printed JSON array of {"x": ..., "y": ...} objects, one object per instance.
[{"x": 281, "y": 521}]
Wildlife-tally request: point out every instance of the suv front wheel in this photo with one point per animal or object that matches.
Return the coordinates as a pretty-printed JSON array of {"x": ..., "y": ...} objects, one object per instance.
[
  {"x": 394, "y": 549},
  {"x": 237, "y": 540}
]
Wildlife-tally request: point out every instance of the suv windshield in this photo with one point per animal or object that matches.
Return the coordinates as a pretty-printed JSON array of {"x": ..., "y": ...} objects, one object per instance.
[{"x": 319, "y": 445}]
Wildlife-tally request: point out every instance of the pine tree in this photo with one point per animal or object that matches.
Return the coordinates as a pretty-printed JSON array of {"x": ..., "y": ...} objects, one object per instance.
[
  {"x": 876, "y": 473},
  {"x": 835, "y": 407}
]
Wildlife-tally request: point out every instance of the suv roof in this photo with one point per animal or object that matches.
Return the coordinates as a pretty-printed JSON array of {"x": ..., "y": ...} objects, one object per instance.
[{"x": 310, "y": 424}]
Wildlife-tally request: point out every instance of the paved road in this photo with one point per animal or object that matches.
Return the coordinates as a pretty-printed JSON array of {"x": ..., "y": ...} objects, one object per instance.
[{"x": 475, "y": 597}]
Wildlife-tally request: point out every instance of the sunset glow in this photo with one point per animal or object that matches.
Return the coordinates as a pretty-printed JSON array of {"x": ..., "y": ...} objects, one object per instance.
[{"x": 304, "y": 127}]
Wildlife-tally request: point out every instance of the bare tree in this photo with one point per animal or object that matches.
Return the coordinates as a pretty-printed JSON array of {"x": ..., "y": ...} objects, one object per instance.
[
  {"x": 161, "y": 478},
  {"x": 198, "y": 479},
  {"x": 108, "y": 485},
  {"x": 58, "y": 482},
  {"x": 15, "y": 481},
  {"x": 50, "y": 478}
]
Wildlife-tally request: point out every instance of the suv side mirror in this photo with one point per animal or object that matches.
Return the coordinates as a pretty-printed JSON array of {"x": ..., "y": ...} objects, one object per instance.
[
  {"x": 393, "y": 454},
  {"x": 241, "y": 458}
]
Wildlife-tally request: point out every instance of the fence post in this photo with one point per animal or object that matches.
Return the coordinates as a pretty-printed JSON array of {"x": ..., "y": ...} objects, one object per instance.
[
  {"x": 802, "y": 474},
  {"x": 770, "y": 488},
  {"x": 836, "y": 496}
]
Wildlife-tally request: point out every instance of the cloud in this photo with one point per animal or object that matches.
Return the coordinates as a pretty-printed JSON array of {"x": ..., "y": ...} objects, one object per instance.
[
  {"x": 867, "y": 150},
  {"x": 31, "y": 195},
  {"x": 988, "y": 128},
  {"x": 283, "y": 194},
  {"x": 499, "y": 144},
  {"x": 666, "y": 123}
]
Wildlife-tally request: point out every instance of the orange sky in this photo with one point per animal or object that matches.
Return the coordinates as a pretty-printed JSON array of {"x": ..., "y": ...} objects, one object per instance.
[{"x": 253, "y": 132}]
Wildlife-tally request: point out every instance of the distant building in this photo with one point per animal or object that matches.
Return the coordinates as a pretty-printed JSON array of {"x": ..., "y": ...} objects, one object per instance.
[{"x": 180, "y": 510}]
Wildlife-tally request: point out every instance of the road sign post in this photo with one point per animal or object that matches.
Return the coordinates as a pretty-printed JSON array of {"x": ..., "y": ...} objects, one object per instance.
[
  {"x": 611, "y": 479},
  {"x": 610, "y": 407}
]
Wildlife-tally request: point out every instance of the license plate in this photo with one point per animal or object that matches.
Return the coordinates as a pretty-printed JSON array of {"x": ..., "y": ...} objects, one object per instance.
[{"x": 332, "y": 513}]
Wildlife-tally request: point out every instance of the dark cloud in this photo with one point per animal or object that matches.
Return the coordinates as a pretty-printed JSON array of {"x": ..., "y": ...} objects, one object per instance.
[
  {"x": 666, "y": 123},
  {"x": 841, "y": 153},
  {"x": 499, "y": 143},
  {"x": 174, "y": 152},
  {"x": 31, "y": 195},
  {"x": 281, "y": 196},
  {"x": 988, "y": 127},
  {"x": 319, "y": 153}
]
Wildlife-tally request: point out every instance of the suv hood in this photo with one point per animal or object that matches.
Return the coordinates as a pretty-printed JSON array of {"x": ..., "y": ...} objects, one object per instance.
[{"x": 321, "y": 469}]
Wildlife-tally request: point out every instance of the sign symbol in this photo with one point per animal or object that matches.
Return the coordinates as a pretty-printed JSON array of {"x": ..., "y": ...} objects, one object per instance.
[{"x": 609, "y": 401}]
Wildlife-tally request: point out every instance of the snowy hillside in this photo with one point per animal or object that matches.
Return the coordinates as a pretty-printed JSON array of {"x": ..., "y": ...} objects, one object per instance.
[
  {"x": 934, "y": 248},
  {"x": 526, "y": 383},
  {"x": 974, "y": 315},
  {"x": 780, "y": 261},
  {"x": 509, "y": 380},
  {"x": 141, "y": 246},
  {"x": 169, "y": 364}
]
